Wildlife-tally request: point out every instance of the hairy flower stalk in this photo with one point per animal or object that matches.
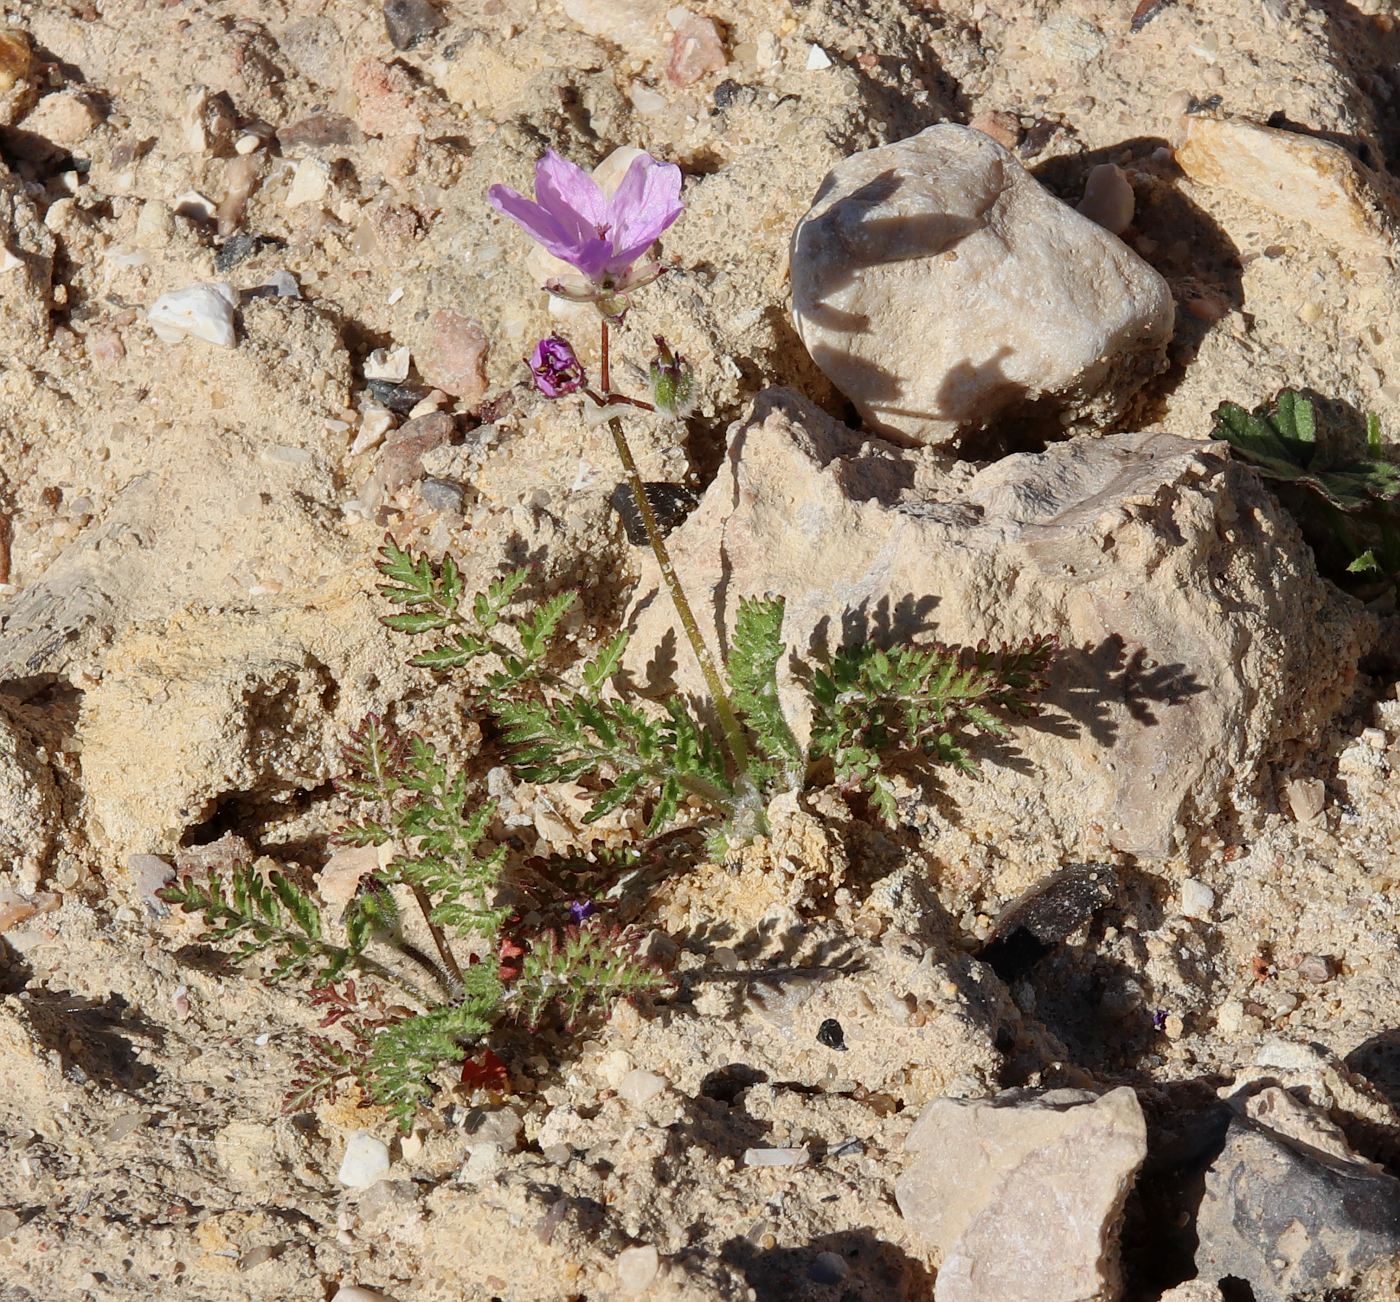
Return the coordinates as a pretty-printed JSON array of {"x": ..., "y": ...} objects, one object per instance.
[{"x": 604, "y": 238}]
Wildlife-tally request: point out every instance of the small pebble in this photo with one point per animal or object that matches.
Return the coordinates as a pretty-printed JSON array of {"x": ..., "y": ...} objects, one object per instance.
[
  {"x": 1315, "y": 968},
  {"x": 388, "y": 364},
  {"x": 401, "y": 398},
  {"x": 310, "y": 183},
  {"x": 374, "y": 425},
  {"x": 201, "y": 311},
  {"x": 637, "y": 1269},
  {"x": 366, "y": 1160},
  {"x": 354, "y": 1293},
  {"x": 1375, "y": 738},
  {"x": 817, "y": 59},
  {"x": 828, "y": 1268},
  {"x": 409, "y": 21},
  {"x": 238, "y": 246},
  {"x": 1108, "y": 198},
  {"x": 640, "y": 1086},
  {"x": 777, "y": 1156},
  {"x": 696, "y": 48},
  {"x": 1197, "y": 900},
  {"x": 149, "y": 874},
  {"x": 454, "y": 357},
  {"x": 1307, "y": 797},
  {"x": 830, "y": 1034}
]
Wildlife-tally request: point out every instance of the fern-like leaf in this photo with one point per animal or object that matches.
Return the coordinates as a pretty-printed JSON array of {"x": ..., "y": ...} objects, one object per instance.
[{"x": 754, "y": 655}]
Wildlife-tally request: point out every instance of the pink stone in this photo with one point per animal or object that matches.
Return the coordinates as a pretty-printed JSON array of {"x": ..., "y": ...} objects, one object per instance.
[
  {"x": 696, "y": 49},
  {"x": 401, "y": 459},
  {"x": 385, "y": 99},
  {"x": 454, "y": 359}
]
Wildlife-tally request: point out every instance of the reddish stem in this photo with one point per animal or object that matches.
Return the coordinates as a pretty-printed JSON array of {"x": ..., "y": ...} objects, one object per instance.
[{"x": 606, "y": 372}]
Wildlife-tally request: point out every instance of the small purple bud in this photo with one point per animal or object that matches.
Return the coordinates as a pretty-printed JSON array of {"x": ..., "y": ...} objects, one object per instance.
[
  {"x": 556, "y": 368},
  {"x": 580, "y": 910},
  {"x": 672, "y": 381},
  {"x": 1159, "y": 1019}
]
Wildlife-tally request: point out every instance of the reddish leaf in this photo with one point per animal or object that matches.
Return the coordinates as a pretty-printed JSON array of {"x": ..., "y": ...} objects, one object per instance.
[{"x": 487, "y": 1073}]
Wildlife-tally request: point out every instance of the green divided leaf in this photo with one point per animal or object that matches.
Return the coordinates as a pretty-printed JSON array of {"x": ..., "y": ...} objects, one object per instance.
[{"x": 754, "y": 655}]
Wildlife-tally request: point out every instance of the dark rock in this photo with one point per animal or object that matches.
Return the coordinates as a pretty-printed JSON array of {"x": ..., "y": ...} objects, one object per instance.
[
  {"x": 1046, "y": 915},
  {"x": 1291, "y": 1220},
  {"x": 401, "y": 458},
  {"x": 670, "y": 504},
  {"x": 442, "y": 495},
  {"x": 320, "y": 131},
  {"x": 238, "y": 247},
  {"x": 730, "y": 92},
  {"x": 830, "y": 1034},
  {"x": 409, "y": 21},
  {"x": 398, "y": 398}
]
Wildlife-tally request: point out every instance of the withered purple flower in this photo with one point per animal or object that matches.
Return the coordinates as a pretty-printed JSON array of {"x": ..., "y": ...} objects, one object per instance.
[
  {"x": 581, "y": 910},
  {"x": 603, "y": 237},
  {"x": 556, "y": 367}
]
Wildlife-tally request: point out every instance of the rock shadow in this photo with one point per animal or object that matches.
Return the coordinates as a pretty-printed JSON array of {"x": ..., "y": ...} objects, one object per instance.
[
  {"x": 854, "y": 1263},
  {"x": 1175, "y": 236},
  {"x": 93, "y": 1037}
]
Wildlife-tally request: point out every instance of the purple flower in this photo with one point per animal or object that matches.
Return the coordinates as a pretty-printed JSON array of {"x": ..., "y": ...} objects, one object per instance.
[
  {"x": 1159, "y": 1019},
  {"x": 601, "y": 236},
  {"x": 580, "y": 910},
  {"x": 556, "y": 367}
]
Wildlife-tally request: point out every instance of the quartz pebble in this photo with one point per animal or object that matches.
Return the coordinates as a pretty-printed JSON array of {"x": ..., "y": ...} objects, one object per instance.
[
  {"x": 374, "y": 425},
  {"x": 310, "y": 182},
  {"x": 777, "y": 1156},
  {"x": 1197, "y": 899},
  {"x": 442, "y": 495},
  {"x": 203, "y": 310},
  {"x": 637, "y": 1269},
  {"x": 149, "y": 874},
  {"x": 388, "y": 364},
  {"x": 1108, "y": 198},
  {"x": 696, "y": 48},
  {"x": 1307, "y": 797},
  {"x": 366, "y": 1160},
  {"x": 640, "y": 1086},
  {"x": 354, "y": 1293},
  {"x": 818, "y": 60},
  {"x": 454, "y": 356},
  {"x": 209, "y": 121}
]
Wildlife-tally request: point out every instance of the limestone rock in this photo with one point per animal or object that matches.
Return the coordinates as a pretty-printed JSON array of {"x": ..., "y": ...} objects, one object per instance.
[
  {"x": 940, "y": 287},
  {"x": 1301, "y": 178},
  {"x": 984, "y": 1178},
  {"x": 241, "y": 711},
  {"x": 1290, "y": 1217},
  {"x": 632, "y": 25},
  {"x": 1195, "y": 633}
]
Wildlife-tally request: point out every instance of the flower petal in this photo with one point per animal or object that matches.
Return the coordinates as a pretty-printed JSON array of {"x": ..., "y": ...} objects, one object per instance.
[
  {"x": 538, "y": 224},
  {"x": 646, "y": 203},
  {"x": 571, "y": 197}
]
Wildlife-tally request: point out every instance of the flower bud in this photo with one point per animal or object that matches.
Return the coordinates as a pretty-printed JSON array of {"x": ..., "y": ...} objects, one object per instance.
[
  {"x": 556, "y": 368},
  {"x": 672, "y": 381}
]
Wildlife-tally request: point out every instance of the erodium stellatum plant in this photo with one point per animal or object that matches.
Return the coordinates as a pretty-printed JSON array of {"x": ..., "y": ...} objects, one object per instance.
[{"x": 432, "y": 965}]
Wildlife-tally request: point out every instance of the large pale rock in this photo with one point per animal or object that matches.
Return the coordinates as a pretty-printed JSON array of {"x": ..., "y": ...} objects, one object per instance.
[
  {"x": 1022, "y": 1197},
  {"x": 1195, "y": 632},
  {"x": 1301, "y": 178},
  {"x": 941, "y": 287}
]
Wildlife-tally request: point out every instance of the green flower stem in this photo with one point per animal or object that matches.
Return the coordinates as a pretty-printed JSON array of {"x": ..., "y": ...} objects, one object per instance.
[
  {"x": 729, "y": 724},
  {"x": 733, "y": 734}
]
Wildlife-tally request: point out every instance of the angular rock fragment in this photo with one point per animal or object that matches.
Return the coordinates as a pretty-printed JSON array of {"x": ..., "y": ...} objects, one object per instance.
[
  {"x": 1292, "y": 1211},
  {"x": 941, "y": 287},
  {"x": 1021, "y": 1196},
  {"x": 1195, "y": 632},
  {"x": 29, "y": 803},
  {"x": 1301, "y": 178},
  {"x": 406, "y": 22}
]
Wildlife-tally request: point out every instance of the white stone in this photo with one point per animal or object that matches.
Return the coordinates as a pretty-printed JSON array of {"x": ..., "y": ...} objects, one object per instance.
[
  {"x": 817, "y": 59},
  {"x": 354, "y": 1293},
  {"x": 1197, "y": 900},
  {"x": 374, "y": 425},
  {"x": 640, "y": 1086},
  {"x": 940, "y": 286},
  {"x": 1307, "y": 798},
  {"x": 632, "y": 25},
  {"x": 195, "y": 206},
  {"x": 1108, "y": 198},
  {"x": 310, "y": 182},
  {"x": 366, "y": 1160},
  {"x": 203, "y": 310},
  {"x": 388, "y": 364},
  {"x": 1021, "y": 1197},
  {"x": 637, "y": 1269},
  {"x": 777, "y": 1156}
]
